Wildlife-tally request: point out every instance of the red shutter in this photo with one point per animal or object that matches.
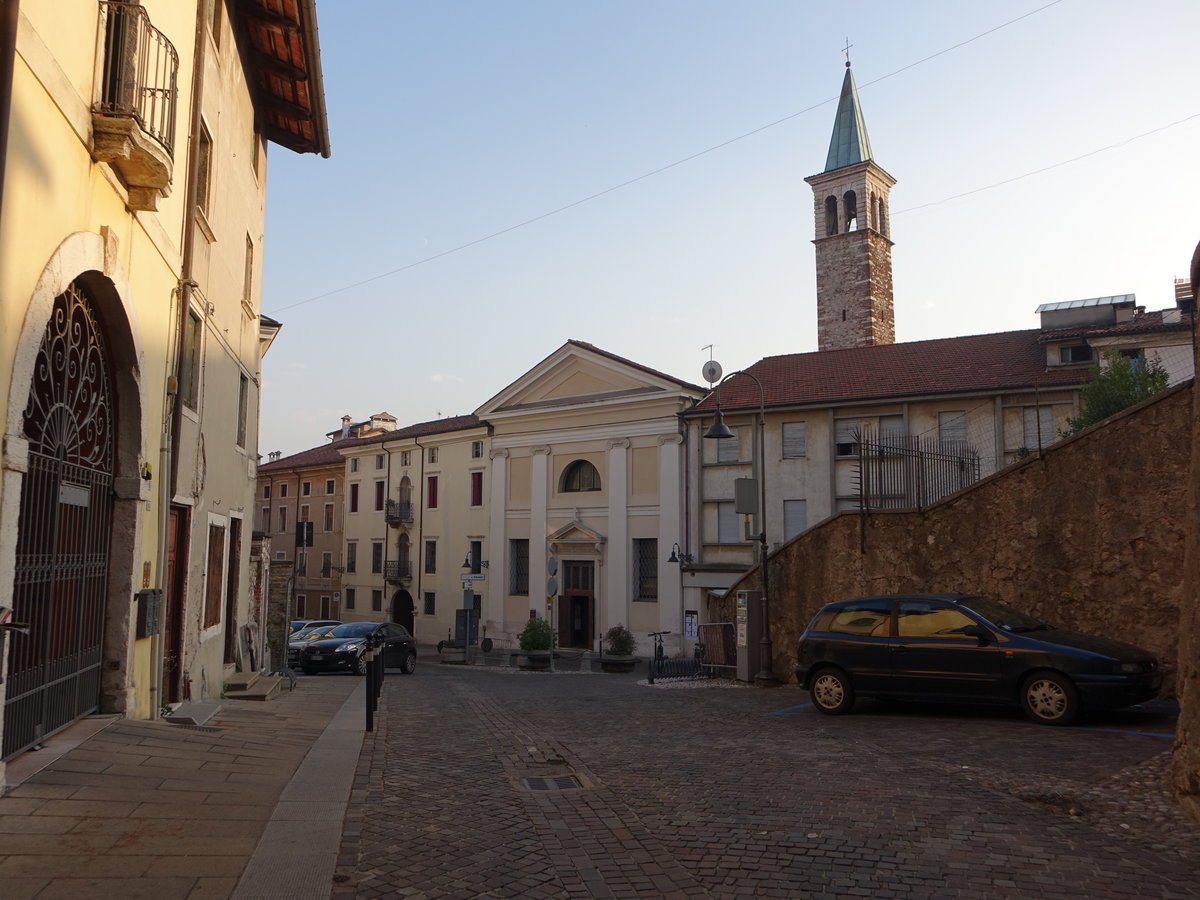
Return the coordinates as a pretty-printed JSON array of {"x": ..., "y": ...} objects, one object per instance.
[{"x": 433, "y": 498}]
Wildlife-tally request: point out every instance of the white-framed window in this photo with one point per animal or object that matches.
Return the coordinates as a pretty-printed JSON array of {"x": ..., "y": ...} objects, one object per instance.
[
  {"x": 794, "y": 440},
  {"x": 645, "y": 569},
  {"x": 476, "y": 449},
  {"x": 1038, "y": 426},
  {"x": 354, "y": 464},
  {"x": 431, "y": 454},
  {"x": 305, "y": 488},
  {"x": 952, "y": 429},
  {"x": 329, "y": 486},
  {"x": 795, "y": 518},
  {"x": 728, "y": 524},
  {"x": 728, "y": 449},
  {"x": 378, "y": 460},
  {"x": 406, "y": 457}
]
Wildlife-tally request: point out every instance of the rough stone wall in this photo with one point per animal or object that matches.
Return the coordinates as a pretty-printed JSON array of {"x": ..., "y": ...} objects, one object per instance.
[
  {"x": 1089, "y": 536},
  {"x": 854, "y": 276},
  {"x": 279, "y": 605}
]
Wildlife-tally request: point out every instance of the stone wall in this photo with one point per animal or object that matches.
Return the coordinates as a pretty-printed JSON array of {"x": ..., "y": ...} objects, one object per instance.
[
  {"x": 854, "y": 279},
  {"x": 280, "y": 581},
  {"x": 1089, "y": 536}
]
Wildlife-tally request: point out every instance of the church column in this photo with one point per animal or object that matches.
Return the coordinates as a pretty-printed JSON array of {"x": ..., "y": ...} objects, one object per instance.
[
  {"x": 497, "y": 550},
  {"x": 618, "y": 582},
  {"x": 670, "y": 532},
  {"x": 539, "y": 486}
]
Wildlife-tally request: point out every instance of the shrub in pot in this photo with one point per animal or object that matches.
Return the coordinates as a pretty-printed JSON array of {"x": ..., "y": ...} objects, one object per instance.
[
  {"x": 537, "y": 641},
  {"x": 619, "y": 646}
]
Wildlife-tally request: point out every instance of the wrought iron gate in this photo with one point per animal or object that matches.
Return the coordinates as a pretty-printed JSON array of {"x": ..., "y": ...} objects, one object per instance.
[{"x": 61, "y": 570}]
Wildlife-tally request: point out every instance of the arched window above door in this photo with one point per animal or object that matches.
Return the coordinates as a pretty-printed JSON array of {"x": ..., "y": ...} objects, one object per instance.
[{"x": 580, "y": 475}]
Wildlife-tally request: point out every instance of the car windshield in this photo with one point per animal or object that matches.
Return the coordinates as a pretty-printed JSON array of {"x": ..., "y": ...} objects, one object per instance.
[
  {"x": 311, "y": 634},
  {"x": 353, "y": 629},
  {"x": 1004, "y": 617}
]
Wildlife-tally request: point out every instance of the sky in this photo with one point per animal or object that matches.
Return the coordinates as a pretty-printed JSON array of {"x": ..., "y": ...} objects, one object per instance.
[{"x": 508, "y": 175}]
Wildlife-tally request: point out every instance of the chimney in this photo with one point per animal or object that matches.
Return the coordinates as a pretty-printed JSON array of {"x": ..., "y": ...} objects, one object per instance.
[{"x": 345, "y": 426}]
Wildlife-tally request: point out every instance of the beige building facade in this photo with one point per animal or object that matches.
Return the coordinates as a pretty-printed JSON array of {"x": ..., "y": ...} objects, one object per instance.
[
  {"x": 131, "y": 214},
  {"x": 587, "y": 472}
]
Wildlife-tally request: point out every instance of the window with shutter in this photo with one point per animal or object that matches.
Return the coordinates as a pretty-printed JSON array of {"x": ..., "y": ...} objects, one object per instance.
[
  {"x": 795, "y": 518},
  {"x": 793, "y": 440},
  {"x": 727, "y": 524}
]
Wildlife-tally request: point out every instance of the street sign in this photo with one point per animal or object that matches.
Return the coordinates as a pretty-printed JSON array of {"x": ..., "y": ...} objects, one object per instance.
[{"x": 472, "y": 576}]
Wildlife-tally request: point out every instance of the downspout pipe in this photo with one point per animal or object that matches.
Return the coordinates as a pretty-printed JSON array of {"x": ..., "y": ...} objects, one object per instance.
[{"x": 9, "y": 17}]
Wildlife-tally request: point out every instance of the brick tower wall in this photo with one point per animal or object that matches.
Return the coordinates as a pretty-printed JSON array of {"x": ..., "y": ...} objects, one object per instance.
[{"x": 854, "y": 291}]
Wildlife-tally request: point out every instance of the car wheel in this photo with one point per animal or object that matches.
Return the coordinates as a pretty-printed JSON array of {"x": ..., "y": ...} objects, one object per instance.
[
  {"x": 360, "y": 664},
  {"x": 831, "y": 692},
  {"x": 409, "y": 663},
  {"x": 1050, "y": 698},
  {"x": 308, "y": 670}
]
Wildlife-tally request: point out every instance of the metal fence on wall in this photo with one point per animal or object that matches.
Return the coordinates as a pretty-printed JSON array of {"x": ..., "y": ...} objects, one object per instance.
[{"x": 905, "y": 471}]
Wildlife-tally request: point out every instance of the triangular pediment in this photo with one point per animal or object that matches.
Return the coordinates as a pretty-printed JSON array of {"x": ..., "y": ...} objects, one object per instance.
[
  {"x": 579, "y": 375},
  {"x": 576, "y": 532}
]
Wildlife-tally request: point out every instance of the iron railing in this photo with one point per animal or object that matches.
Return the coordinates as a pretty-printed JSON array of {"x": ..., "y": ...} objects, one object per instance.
[
  {"x": 906, "y": 471},
  {"x": 141, "y": 70},
  {"x": 397, "y": 571},
  {"x": 396, "y": 512}
]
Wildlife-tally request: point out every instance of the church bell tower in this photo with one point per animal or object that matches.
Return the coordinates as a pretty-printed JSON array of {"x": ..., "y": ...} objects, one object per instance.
[{"x": 854, "y": 247}]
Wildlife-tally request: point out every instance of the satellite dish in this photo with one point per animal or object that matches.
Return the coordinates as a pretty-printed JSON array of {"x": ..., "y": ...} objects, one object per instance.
[
  {"x": 711, "y": 371},
  {"x": 552, "y": 565}
]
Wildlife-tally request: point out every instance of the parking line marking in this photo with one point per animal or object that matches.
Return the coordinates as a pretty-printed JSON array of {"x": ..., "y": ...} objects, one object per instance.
[{"x": 788, "y": 710}]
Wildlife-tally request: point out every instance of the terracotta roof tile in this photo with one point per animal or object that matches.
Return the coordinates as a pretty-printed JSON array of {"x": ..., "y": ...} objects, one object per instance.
[{"x": 975, "y": 363}]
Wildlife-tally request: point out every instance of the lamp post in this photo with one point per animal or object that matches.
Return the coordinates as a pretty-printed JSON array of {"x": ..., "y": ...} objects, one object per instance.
[
  {"x": 683, "y": 560},
  {"x": 717, "y": 431}
]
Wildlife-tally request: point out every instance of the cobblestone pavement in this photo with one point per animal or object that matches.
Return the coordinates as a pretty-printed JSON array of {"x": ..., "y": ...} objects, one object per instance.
[{"x": 723, "y": 793}]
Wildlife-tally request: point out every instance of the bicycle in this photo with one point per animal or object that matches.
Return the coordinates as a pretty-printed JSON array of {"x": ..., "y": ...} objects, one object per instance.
[{"x": 659, "y": 653}]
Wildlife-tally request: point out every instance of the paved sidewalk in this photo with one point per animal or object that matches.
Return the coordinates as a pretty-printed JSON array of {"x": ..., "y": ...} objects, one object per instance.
[{"x": 146, "y": 809}]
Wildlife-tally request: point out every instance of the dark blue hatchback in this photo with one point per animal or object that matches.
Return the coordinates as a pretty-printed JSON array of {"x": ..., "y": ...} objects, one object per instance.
[{"x": 965, "y": 649}]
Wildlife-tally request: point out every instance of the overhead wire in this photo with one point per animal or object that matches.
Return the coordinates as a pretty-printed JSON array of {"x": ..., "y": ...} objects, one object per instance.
[{"x": 679, "y": 162}]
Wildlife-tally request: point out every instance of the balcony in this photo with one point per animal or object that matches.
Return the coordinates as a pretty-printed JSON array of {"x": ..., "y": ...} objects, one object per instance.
[
  {"x": 398, "y": 572},
  {"x": 397, "y": 512},
  {"x": 133, "y": 122}
]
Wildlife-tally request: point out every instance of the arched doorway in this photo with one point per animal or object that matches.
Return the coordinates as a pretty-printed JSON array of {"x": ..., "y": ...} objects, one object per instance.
[
  {"x": 60, "y": 576},
  {"x": 403, "y": 610}
]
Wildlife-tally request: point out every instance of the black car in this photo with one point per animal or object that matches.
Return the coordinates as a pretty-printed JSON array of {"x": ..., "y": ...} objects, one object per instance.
[
  {"x": 343, "y": 646},
  {"x": 965, "y": 649},
  {"x": 298, "y": 638}
]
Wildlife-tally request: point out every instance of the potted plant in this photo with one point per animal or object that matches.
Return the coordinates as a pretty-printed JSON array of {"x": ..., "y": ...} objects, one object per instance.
[
  {"x": 619, "y": 646},
  {"x": 537, "y": 643}
]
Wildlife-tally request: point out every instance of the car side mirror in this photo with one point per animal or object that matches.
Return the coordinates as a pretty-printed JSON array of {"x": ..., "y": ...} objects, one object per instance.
[{"x": 978, "y": 631}]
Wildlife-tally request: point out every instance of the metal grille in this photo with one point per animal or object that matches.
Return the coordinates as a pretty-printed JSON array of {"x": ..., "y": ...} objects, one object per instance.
[
  {"x": 140, "y": 71},
  {"x": 645, "y": 556},
  {"x": 61, "y": 568},
  {"x": 903, "y": 471},
  {"x": 555, "y": 783}
]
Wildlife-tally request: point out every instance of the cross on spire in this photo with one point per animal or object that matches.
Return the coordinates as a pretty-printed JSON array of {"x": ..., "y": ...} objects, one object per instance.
[{"x": 846, "y": 50}]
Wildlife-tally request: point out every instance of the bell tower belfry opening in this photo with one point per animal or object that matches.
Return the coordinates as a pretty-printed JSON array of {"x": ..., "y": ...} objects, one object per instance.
[{"x": 853, "y": 236}]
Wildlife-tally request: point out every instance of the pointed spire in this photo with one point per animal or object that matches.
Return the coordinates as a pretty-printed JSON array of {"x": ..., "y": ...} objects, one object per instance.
[{"x": 849, "y": 144}]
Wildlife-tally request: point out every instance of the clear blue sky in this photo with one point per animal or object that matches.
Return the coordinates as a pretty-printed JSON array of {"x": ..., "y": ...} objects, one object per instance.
[{"x": 453, "y": 120}]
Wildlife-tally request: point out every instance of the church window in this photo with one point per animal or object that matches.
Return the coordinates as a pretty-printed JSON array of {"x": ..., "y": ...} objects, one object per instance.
[
  {"x": 831, "y": 222},
  {"x": 851, "y": 203},
  {"x": 580, "y": 475}
]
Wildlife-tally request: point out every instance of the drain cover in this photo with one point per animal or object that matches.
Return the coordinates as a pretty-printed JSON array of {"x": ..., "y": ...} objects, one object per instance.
[{"x": 557, "y": 783}]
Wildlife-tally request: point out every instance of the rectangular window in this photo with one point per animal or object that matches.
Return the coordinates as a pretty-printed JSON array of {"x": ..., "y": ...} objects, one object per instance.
[
  {"x": 378, "y": 460},
  {"x": 1038, "y": 426},
  {"x": 301, "y": 562},
  {"x": 305, "y": 488},
  {"x": 303, "y": 512},
  {"x": 266, "y": 492},
  {"x": 283, "y": 519},
  {"x": 376, "y": 557},
  {"x": 406, "y": 457},
  {"x": 283, "y": 489},
  {"x": 795, "y": 518},
  {"x": 431, "y": 455},
  {"x": 350, "y": 598},
  {"x": 265, "y": 522},
  {"x": 952, "y": 430},
  {"x": 189, "y": 366},
  {"x": 215, "y": 575},
  {"x": 300, "y": 606},
  {"x": 354, "y": 464},
  {"x": 846, "y": 435},
  {"x": 476, "y": 449},
  {"x": 326, "y": 564},
  {"x": 351, "y": 556},
  {"x": 794, "y": 440},
  {"x": 1078, "y": 354},
  {"x": 248, "y": 271},
  {"x": 645, "y": 569},
  {"x": 354, "y": 497},
  {"x": 203, "y": 169},
  {"x": 376, "y": 601},
  {"x": 430, "y": 557},
  {"x": 728, "y": 531},
  {"x": 379, "y": 494},
  {"x": 432, "y": 493},
  {"x": 430, "y": 603},
  {"x": 727, "y": 448},
  {"x": 475, "y": 557},
  {"x": 329, "y": 486},
  {"x": 243, "y": 408},
  {"x": 328, "y": 517},
  {"x": 518, "y": 566},
  {"x": 477, "y": 489},
  {"x": 325, "y": 611}
]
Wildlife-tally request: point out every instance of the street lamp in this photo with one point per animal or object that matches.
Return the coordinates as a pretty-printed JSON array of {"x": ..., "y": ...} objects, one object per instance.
[{"x": 717, "y": 431}]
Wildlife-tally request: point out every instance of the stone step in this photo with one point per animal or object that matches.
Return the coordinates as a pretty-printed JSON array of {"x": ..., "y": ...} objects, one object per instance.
[
  {"x": 264, "y": 688},
  {"x": 240, "y": 681},
  {"x": 188, "y": 713}
]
